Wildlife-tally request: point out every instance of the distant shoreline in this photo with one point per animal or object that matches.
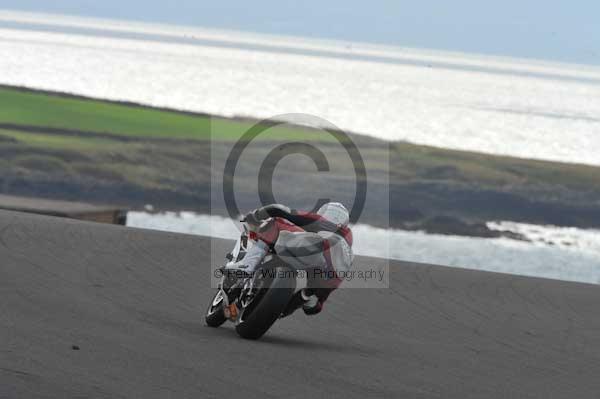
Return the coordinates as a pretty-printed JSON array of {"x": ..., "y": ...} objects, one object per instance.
[{"x": 100, "y": 159}]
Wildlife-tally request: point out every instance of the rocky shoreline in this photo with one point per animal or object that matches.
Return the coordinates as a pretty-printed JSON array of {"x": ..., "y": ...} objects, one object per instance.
[{"x": 449, "y": 225}]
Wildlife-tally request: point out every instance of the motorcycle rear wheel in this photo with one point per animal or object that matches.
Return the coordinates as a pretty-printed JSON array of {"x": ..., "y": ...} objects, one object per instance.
[{"x": 255, "y": 321}]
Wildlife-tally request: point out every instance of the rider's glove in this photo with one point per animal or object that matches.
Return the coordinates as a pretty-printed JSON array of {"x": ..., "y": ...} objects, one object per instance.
[{"x": 252, "y": 219}]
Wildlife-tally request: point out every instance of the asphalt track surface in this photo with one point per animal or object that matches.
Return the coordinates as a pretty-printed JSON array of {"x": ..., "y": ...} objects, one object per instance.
[{"x": 133, "y": 302}]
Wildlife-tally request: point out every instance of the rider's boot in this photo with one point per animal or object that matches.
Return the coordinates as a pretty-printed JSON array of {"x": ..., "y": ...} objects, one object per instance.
[
  {"x": 312, "y": 305},
  {"x": 304, "y": 299}
]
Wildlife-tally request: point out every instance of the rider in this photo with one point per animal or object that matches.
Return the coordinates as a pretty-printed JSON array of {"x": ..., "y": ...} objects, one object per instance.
[{"x": 320, "y": 243}]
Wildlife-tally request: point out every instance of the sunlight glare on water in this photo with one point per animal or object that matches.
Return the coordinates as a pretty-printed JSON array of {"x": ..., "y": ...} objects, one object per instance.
[{"x": 488, "y": 104}]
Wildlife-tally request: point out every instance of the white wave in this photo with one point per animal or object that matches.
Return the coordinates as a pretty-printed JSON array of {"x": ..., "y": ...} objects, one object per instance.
[
  {"x": 570, "y": 238},
  {"x": 497, "y": 255},
  {"x": 488, "y": 104},
  {"x": 185, "y": 222}
]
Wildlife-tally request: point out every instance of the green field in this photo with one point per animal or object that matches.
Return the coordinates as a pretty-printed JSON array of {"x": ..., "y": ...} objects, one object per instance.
[{"x": 34, "y": 109}]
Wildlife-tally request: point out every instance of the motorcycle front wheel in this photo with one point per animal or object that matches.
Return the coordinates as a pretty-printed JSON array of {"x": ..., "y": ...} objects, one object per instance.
[{"x": 215, "y": 316}]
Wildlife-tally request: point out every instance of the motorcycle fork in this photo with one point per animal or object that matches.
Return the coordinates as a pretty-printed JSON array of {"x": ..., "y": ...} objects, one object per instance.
[{"x": 230, "y": 310}]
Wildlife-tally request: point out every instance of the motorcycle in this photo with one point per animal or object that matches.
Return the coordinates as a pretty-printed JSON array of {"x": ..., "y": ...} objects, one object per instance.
[{"x": 252, "y": 302}]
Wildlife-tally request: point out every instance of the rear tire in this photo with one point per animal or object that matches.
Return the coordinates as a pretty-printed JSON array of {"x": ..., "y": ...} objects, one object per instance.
[
  {"x": 214, "y": 314},
  {"x": 270, "y": 307}
]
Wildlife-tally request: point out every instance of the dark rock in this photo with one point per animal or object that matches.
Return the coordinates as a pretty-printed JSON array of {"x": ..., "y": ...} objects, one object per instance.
[
  {"x": 7, "y": 140},
  {"x": 454, "y": 226},
  {"x": 405, "y": 214},
  {"x": 449, "y": 225}
]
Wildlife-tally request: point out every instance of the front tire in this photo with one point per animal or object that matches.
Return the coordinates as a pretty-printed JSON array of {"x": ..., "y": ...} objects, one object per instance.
[{"x": 215, "y": 316}]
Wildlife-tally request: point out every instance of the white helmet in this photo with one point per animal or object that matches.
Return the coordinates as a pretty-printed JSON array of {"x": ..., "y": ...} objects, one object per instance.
[{"x": 335, "y": 213}]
